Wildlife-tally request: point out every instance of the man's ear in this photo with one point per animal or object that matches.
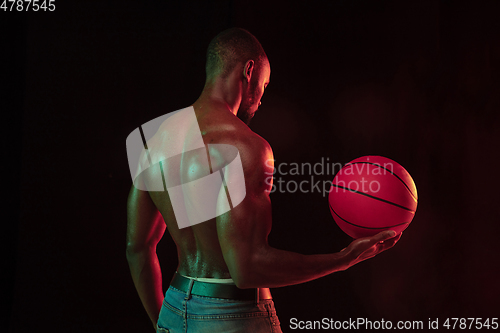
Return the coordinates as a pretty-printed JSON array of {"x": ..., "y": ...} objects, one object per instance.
[{"x": 248, "y": 70}]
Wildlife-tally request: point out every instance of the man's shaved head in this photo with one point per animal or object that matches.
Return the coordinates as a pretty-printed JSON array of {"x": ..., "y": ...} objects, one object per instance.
[{"x": 229, "y": 48}]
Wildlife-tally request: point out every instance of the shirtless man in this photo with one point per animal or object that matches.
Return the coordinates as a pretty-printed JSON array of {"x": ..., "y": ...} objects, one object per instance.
[{"x": 225, "y": 264}]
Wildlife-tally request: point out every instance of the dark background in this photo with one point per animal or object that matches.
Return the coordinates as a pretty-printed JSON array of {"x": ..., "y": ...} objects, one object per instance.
[{"x": 416, "y": 81}]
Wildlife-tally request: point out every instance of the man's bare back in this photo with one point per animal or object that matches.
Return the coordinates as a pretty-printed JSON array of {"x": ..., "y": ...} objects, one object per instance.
[
  {"x": 199, "y": 250},
  {"x": 234, "y": 244}
]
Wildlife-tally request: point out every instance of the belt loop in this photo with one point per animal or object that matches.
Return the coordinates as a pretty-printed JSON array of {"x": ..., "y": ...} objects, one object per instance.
[
  {"x": 190, "y": 287},
  {"x": 256, "y": 296}
]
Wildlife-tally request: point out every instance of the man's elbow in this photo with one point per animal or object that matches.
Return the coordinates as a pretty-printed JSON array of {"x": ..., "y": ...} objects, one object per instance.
[
  {"x": 249, "y": 281},
  {"x": 247, "y": 276},
  {"x": 130, "y": 253},
  {"x": 135, "y": 250},
  {"x": 243, "y": 282}
]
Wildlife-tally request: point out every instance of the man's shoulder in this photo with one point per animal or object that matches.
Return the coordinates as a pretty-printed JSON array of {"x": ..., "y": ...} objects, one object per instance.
[
  {"x": 228, "y": 129},
  {"x": 247, "y": 141}
]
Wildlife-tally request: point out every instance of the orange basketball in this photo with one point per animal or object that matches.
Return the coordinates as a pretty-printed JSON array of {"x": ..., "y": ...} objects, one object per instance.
[{"x": 371, "y": 194}]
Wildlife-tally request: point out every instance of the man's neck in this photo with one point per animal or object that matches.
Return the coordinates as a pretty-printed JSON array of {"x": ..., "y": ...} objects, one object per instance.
[{"x": 223, "y": 92}]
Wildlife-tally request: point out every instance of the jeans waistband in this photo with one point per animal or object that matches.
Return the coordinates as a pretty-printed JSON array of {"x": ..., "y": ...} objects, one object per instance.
[{"x": 218, "y": 290}]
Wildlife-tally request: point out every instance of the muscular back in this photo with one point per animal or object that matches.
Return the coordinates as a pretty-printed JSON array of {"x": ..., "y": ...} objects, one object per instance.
[{"x": 198, "y": 246}]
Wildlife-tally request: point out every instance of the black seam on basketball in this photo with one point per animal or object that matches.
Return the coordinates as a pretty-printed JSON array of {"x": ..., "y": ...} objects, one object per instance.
[
  {"x": 392, "y": 173},
  {"x": 359, "y": 226},
  {"x": 373, "y": 197}
]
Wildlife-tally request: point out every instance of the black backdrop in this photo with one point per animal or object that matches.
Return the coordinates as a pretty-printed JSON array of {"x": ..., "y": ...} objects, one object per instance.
[{"x": 414, "y": 81}]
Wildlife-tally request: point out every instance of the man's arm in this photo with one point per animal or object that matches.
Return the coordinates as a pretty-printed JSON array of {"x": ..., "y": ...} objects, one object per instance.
[
  {"x": 145, "y": 227},
  {"x": 243, "y": 233}
]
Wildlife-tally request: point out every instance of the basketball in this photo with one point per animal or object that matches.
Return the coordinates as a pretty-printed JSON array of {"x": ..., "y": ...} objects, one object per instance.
[{"x": 371, "y": 194}]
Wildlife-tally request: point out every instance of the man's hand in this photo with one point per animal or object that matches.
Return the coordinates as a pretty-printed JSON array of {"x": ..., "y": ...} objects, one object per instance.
[{"x": 368, "y": 247}]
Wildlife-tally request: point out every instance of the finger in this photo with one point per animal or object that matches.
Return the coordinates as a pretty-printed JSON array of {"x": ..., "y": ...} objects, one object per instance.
[
  {"x": 396, "y": 238},
  {"x": 384, "y": 235},
  {"x": 389, "y": 243}
]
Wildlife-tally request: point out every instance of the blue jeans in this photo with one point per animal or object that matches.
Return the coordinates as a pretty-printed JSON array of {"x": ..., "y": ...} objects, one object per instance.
[{"x": 185, "y": 313}]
